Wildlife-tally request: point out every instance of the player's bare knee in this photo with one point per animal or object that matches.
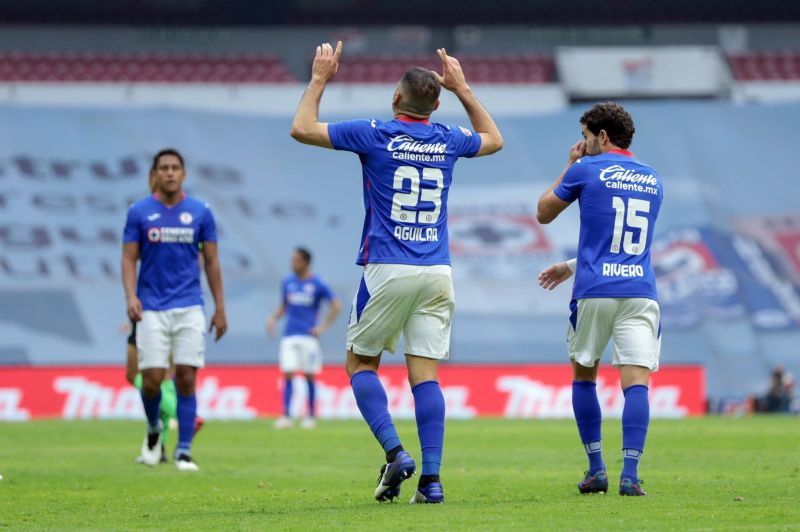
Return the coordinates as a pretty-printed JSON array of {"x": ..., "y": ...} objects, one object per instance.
[
  {"x": 185, "y": 377},
  {"x": 421, "y": 369},
  {"x": 584, "y": 373},
  {"x": 633, "y": 376},
  {"x": 357, "y": 363}
]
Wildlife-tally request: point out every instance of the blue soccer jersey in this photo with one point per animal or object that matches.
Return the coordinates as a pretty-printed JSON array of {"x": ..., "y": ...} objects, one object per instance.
[
  {"x": 169, "y": 238},
  {"x": 302, "y": 299},
  {"x": 407, "y": 171},
  {"x": 619, "y": 199}
]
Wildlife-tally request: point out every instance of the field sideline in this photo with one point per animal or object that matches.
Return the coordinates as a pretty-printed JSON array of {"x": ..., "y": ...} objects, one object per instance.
[{"x": 701, "y": 474}]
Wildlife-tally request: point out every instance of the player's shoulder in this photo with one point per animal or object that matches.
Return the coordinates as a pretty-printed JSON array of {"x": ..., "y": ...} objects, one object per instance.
[
  {"x": 142, "y": 204},
  {"x": 196, "y": 203}
]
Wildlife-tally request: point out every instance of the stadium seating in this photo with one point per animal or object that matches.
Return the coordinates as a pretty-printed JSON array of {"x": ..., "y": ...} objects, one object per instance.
[
  {"x": 142, "y": 68},
  {"x": 480, "y": 69},
  {"x": 765, "y": 66}
]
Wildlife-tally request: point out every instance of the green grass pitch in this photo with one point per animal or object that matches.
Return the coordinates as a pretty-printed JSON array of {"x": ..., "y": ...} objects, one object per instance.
[{"x": 707, "y": 473}]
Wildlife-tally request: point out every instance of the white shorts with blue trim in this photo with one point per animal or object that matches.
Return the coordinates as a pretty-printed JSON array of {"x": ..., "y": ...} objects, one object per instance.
[
  {"x": 633, "y": 323},
  {"x": 301, "y": 353},
  {"x": 394, "y": 299},
  {"x": 180, "y": 332}
]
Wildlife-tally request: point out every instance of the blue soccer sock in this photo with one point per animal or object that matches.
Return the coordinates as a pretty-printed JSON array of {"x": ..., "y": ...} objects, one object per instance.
[
  {"x": 152, "y": 409},
  {"x": 187, "y": 412},
  {"x": 288, "y": 388},
  {"x": 635, "y": 419},
  {"x": 374, "y": 406},
  {"x": 589, "y": 418},
  {"x": 312, "y": 393},
  {"x": 429, "y": 410}
]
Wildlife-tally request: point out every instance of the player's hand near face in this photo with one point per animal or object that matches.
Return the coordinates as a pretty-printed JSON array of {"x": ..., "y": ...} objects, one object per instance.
[
  {"x": 452, "y": 77},
  {"x": 134, "y": 308},
  {"x": 577, "y": 151},
  {"x": 326, "y": 62},
  {"x": 554, "y": 275},
  {"x": 219, "y": 322}
]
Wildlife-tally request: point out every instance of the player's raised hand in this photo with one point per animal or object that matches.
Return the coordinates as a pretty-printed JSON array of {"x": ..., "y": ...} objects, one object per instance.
[
  {"x": 326, "y": 62},
  {"x": 134, "y": 309},
  {"x": 452, "y": 77},
  {"x": 554, "y": 275},
  {"x": 220, "y": 323},
  {"x": 577, "y": 151}
]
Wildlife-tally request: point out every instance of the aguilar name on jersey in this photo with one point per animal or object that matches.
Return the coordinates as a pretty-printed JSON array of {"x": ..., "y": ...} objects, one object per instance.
[
  {"x": 407, "y": 171},
  {"x": 169, "y": 238},
  {"x": 619, "y": 200}
]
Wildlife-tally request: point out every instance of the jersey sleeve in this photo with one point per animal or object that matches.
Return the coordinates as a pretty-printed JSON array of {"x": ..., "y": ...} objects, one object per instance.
[
  {"x": 572, "y": 182},
  {"x": 466, "y": 141},
  {"x": 357, "y": 136},
  {"x": 208, "y": 227},
  {"x": 132, "y": 226},
  {"x": 284, "y": 292},
  {"x": 325, "y": 292}
]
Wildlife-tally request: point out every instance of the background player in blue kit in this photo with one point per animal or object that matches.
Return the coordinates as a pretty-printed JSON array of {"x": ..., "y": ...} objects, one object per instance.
[
  {"x": 615, "y": 287},
  {"x": 407, "y": 286},
  {"x": 164, "y": 230},
  {"x": 302, "y": 294}
]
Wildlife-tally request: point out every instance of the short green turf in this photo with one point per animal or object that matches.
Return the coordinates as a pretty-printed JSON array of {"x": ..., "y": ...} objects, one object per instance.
[{"x": 710, "y": 473}]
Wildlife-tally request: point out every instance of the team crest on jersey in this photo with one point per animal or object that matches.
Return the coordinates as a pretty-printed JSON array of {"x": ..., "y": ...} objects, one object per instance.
[
  {"x": 154, "y": 234},
  {"x": 465, "y": 131},
  {"x": 186, "y": 218}
]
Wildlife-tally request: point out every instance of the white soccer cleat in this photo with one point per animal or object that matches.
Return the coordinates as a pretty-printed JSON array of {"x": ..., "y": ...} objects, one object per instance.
[
  {"x": 283, "y": 422},
  {"x": 308, "y": 423},
  {"x": 184, "y": 462},
  {"x": 151, "y": 449}
]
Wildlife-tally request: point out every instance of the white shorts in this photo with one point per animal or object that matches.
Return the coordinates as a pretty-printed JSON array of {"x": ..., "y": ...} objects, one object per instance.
[
  {"x": 416, "y": 301},
  {"x": 301, "y": 353},
  {"x": 180, "y": 332},
  {"x": 633, "y": 323}
]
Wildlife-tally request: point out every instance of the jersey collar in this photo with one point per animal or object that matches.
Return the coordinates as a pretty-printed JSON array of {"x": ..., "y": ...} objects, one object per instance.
[
  {"x": 155, "y": 197},
  {"x": 406, "y": 118},
  {"x": 620, "y": 151}
]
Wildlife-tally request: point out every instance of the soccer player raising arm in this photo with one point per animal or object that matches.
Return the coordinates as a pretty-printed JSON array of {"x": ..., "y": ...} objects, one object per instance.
[{"x": 406, "y": 287}]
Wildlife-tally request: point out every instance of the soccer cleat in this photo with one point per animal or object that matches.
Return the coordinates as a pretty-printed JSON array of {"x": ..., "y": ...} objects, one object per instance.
[
  {"x": 184, "y": 462},
  {"x": 151, "y": 449},
  {"x": 629, "y": 488},
  {"x": 308, "y": 423},
  {"x": 392, "y": 475},
  {"x": 433, "y": 493},
  {"x": 283, "y": 422},
  {"x": 597, "y": 483}
]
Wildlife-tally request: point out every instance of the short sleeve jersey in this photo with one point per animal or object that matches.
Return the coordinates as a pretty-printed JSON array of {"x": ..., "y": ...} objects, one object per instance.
[
  {"x": 302, "y": 299},
  {"x": 619, "y": 199},
  {"x": 407, "y": 173},
  {"x": 169, "y": 239}
]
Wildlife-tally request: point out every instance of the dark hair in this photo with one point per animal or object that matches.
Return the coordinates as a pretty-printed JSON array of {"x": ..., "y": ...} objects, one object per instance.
[
  {"x": 166, "y": 151},
  {"x": 614, "y": 119},
  {"x": 303, "y": 252},
  {"x": 420, "y": 90}
]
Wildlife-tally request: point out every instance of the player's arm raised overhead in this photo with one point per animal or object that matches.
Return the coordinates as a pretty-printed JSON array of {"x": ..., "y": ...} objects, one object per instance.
[
  {"x": 550, "y": 204},
  {"x": 130, "y": 254},
  {"x": 306, "y": 127},
  {"x": 453, "y": 79}
]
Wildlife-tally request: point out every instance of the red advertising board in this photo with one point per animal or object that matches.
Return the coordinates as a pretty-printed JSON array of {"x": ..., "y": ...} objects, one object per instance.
[{"x": 244, "y": 392}]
